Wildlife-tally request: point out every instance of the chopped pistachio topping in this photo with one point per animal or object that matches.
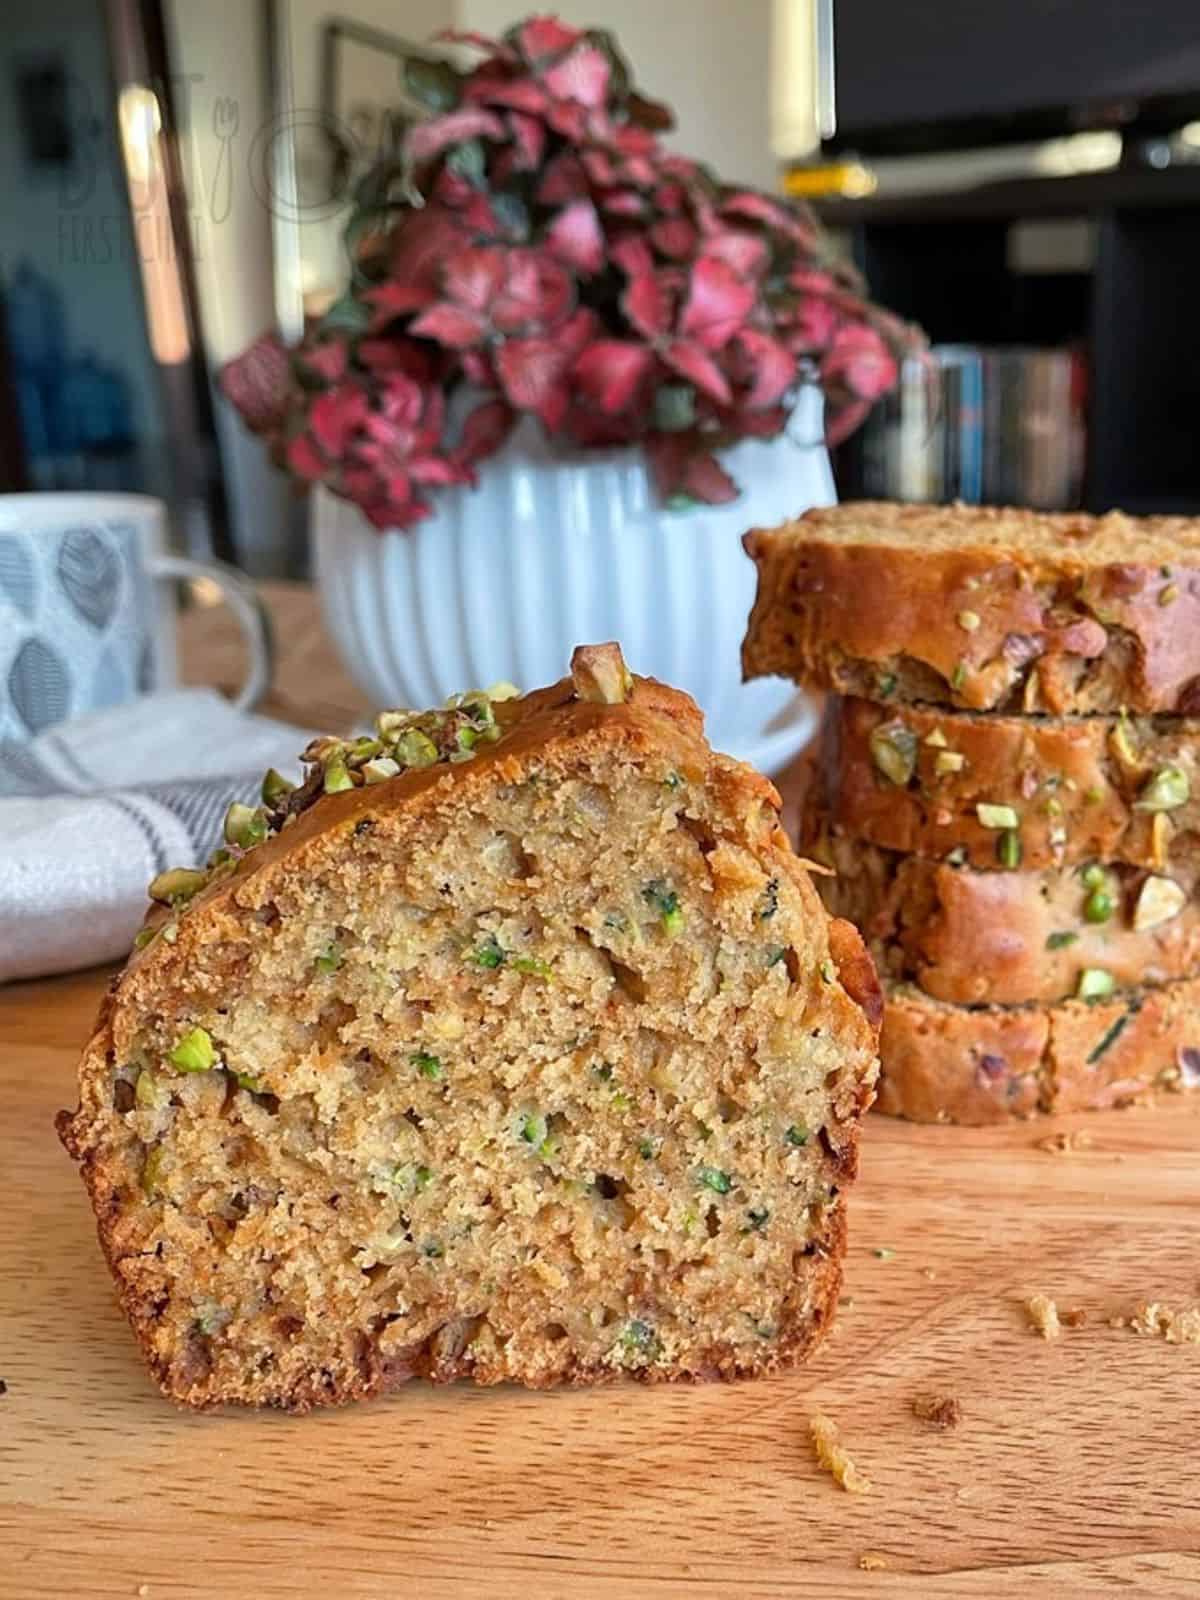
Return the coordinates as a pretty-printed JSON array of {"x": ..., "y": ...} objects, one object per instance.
[
  {"x": 716, "y": 1180},
  {"x": 1168, "y": 594},
  {"x": 599, "y": 674},
  {"x": 968, "y": 621},
  {"x": 488, "y": 954},
  {"x": 379, "y": 769},
  {"x": 143, "y": 937},
  {"x": 957, "y": 857},
  {"x": 937, "y": 739},
  {"x": 647, "y": 1149},
  {"x": 894, "y": 752},
  {"x": 1008, "y": 849},
  {"x": 178, "y": 884},
  {"x": 195, "y": 1052},
  {"x": 415, "y": 749},
  {"x": 1099, "y": 906},
  {"x": 886, "y": 685},
  {"x": 428, "y": 1066},
  {"x": 1165, "y": 790},
  {"x": 533, "y": 1128},
  {"x": 959, "y": 676},
  {"x": 797, "y": 1135},
  {"x": 949, "y": 761},
  {"x": 503, "y": 690},
  {"x": 1095, "y": 983},
  {"x": 532, "y": 966},
  {"x": 152, "y": 1172},
  {"x": 756, "y": 1219},
  {"x": 337, "y": 778},
  {"x": 275, "y": 787},
  {"x": 828, "y": 971},
  {"x": 147, "y": 1092},
  {"x": 245, "y": 826},
  {"x": 1060, "y": 941},
  {"x": 997, "y": 816},
  {"x": 1160, "y": 899}
]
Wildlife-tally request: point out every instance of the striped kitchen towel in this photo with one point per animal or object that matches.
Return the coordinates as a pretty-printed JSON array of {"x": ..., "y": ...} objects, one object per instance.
[{"x": 91, "y": 810}]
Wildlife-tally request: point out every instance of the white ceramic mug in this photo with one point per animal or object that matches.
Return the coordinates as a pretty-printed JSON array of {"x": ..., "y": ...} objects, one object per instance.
[{"x": 87, "y": 618}]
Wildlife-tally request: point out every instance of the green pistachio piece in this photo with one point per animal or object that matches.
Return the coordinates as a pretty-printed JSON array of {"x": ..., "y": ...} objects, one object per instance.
[
  {"x": 180, "y": 883},
  {"x": 647, "y": 1149},
  {"x": 997, "y": 816},
  {"x": 533, "y": 1128},
  {"x": 1095, "y": 983},
  {"x": 885, "y": 685},
  {"x": 380, "y": 768},
  {"x": 1094, "y": 876},
  {"x": 894, "y": 752},
  {"x": 948, "y": 761},
  {"x": 1099, "y": 906},
  {"x": 194, "y": 1052},
  {"x": 969, "y": 621},
  {"x": 143, "y": 937},
  {"x": 532, "y": 966},
  {"x": 428, "y": 1066},
  {"x": 337, "y": 777},
  {"x": 275, "y": 787},
  {"x": 152, "y": 1172},
  {"x": 488, "y": 954},
  {"x": 329, "y": 960},
  {"x": 147, "y": 1091},
  {"x": 666, "y": 902},
  {"x": 503, "y": 690},
  {"x": 716, "y": 1180},
  {"x": 600, "y": 675},
  {"x": 1165, "y": 790},
  {"x": 415, "y": 749},
  {"x": 797, "y": 1135},
  {"x": 1008, "y": 849},
  {"x": 959, "y": 676},
  {"x": 245, "y": 826},
  {"x": 1060, "y": 941},
  {"x": 1160, "y": 899}
]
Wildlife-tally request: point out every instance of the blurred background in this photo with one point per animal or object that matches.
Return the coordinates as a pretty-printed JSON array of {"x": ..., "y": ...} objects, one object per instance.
[{"x": 1021, "y": 177}]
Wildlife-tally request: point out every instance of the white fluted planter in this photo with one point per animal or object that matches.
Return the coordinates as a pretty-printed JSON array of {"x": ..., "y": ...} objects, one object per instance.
[{"x": 557, "y": 549}]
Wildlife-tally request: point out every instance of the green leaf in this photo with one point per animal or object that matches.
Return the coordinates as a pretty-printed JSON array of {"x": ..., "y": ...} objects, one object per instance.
[
  {"x": 434, "y": 84},
  {"x": 468, "y": 161},
  {"x": 674, "y": 407},
  {"x": 512, "y": 214},
  {"x": 347, "y": 315}
]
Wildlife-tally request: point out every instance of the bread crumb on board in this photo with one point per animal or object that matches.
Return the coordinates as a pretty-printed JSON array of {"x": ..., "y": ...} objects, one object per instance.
[
  {"x": 942, "y": 1411},
  {"x": 1043, "y": 1316},
  {"x": 834, "y": 1457},
  {"x": 872, "y": 1561},
  {"x": 1076, "y": 1317},
  {"x": 1164, "y": 1322},
  {"x": 1065, "y": 1144}
]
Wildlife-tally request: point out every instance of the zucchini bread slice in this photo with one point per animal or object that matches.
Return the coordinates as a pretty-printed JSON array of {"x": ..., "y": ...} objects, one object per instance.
[
  {"x": 1080, "y": 789},
  {"x": 977, "y": 1065},
  {"x": 1010, "y": 937},
  {"x": 515, "y": 1044},
  {"x": 981, "y": 607}
]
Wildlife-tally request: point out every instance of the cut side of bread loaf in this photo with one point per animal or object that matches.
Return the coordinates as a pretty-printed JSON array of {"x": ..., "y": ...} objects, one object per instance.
[
  {"x": 918, "y": 779},
  {"x": 514, "y": 1045},
  {"x": 1005, "y": 938},
  {"x": 946, "y": 1063},
  {"x": 981, "y": 607}
]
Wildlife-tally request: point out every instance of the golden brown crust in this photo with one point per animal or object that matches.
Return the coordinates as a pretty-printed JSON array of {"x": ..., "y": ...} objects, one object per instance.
[
  {"x": 551, "y": 731},
  {"x": 945, "y": 1063},
  {"x": 1010, "y": 937},
  {"x": 981, "y": 608},
  {"x": 1074, "y": 783}
]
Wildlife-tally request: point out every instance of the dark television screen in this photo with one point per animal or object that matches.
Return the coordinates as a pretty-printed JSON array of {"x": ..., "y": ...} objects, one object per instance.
[{"x": 914, "y": 75}]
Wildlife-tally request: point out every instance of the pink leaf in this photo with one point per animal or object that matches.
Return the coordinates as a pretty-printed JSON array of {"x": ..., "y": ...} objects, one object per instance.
[
  {"x": 328, "y": 360},
  {"x": 516, "y": 94},
  {"x": 563, "y": 180},
  {"x": 305, "y": 460},
  {"x": 533, "y": 372},
  {"x": 394, "y": 355},
  {"x": 258, "y": 382},
  {"x": 451, "y": 326},
  {"x": 746, "y": 253},
  {"x": 529, "y": 141},
  {"x": 811, "y": 325},
  {"x": 609, "y": 372},
  {"x": 599, "y": 166},
  {"x": 570, "y": 119},
  {"x": 576, "y": 237},
  {"x": 760, "y": 208},
  {"x": 774, "y": 368},
  {"x": 477, "y": 368},
  {"x": 705, "y": 479},
  {"x": 699, "y": 368},
  {"x": 717, "y": 305},
  {"x": 538, "y": 292},
  {"x": 581, "y": 76},
  {"x": 429, "y": 139},
  {"x": 675, "y": 237},
  {"x": 435, "y": 470},
  {"x": 334, "y": 415},
  {"x": 623, "y": 203},
  {"x": 485, "y": 430},
  {"x": 543, "y": 37},
  {"x": 632, "y": 254},
  {"x": 392, "y": 299},
  {"x": 472, "y": 278},
  {"x": 859, "y": 360}
]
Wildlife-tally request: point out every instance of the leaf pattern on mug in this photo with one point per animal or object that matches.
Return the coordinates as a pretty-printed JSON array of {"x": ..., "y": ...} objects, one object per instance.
[
  {"x": 110, "y": 683},
  {"x": 17, "y": 577},
  {"x": 90, "y": 575},
  {"x": 39, "y": 685}
]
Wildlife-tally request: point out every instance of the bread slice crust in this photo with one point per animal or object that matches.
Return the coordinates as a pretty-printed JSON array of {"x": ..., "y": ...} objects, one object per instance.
[
  {"x": 327, "y": 1349},
  {"x": 981, "y": 608}
]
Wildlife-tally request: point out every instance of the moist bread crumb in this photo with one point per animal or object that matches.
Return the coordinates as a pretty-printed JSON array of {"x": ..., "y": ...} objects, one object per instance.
[
  {"x": 872, "y": 1561},
  {"x": 515, "y": 1045},
  {"x": 1164, "y": 1322},
  {"x": 940, "y": 1411},
  {"x": 834, "y": 1457},
  {"x": 1043, "y": 1316}
]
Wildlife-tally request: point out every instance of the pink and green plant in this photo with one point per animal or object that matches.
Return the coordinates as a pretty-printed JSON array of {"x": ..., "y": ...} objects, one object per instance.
[{"x": 532, "y": 249}]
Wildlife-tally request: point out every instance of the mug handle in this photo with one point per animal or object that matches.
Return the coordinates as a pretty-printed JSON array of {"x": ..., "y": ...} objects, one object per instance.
[{"x": 243, "y": 600}]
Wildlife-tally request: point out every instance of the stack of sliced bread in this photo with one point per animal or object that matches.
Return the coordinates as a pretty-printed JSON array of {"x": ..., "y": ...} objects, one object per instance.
[{"x": 1007, "y": 789}]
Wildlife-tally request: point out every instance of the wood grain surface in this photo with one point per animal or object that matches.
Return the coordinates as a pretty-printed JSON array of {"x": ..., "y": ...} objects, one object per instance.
[{"x": 1073, "y": 1470}]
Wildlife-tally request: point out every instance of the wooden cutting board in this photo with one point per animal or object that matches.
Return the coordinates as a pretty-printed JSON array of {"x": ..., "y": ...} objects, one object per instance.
[{"x": 1073, "y": 1471}]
